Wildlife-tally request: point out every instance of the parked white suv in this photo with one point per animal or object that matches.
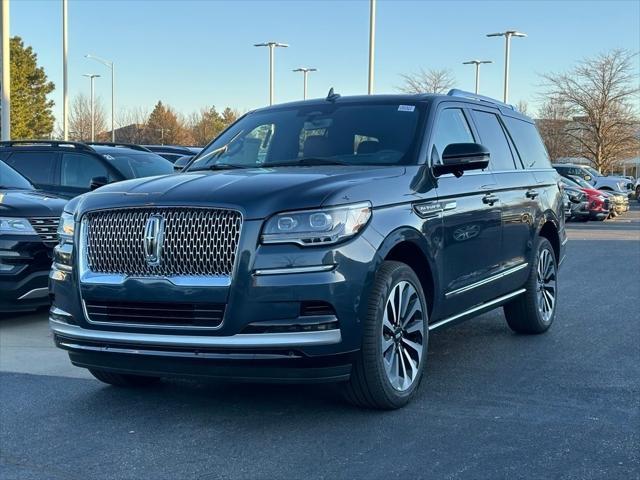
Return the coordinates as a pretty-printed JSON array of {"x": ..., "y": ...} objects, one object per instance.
[{"x": 600, "y": 182}]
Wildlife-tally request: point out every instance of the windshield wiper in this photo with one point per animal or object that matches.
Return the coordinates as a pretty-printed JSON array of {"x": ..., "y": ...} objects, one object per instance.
[
  {"x": 218, "y": 166},
  {"x": 306, "y": 161}
]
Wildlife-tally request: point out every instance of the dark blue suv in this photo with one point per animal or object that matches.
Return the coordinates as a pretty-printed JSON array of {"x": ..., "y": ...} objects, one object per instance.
[{"x": 315, "y": 241}]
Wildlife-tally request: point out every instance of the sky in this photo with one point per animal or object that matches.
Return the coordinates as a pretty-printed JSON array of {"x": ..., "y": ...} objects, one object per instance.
[{"x": 192, "y": 54}]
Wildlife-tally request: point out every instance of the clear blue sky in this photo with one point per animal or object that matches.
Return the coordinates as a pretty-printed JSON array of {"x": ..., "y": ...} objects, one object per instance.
[{"x": 195, "y": 53}]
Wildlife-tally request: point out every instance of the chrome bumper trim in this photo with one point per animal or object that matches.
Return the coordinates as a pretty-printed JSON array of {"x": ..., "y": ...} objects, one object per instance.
[
  {"x": 35, "y": 293},
  {"x": 287, "y": 270},
  {"x": 91, "y": 278},
  {"x": 241, "y": 340}
]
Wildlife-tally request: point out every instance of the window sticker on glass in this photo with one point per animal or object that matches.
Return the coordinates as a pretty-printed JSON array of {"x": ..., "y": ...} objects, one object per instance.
[{"x": 406, "y": 108}]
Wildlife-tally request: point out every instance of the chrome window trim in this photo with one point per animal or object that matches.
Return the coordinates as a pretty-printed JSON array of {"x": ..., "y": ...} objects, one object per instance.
[
  {"x": 240, "y": 340},
  {"x": 490, "y": 279},
  {"x": 476, "y": 309}
]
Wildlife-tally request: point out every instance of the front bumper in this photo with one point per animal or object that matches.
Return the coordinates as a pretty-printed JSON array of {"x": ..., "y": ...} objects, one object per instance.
[{"x": 25, "y": 262}]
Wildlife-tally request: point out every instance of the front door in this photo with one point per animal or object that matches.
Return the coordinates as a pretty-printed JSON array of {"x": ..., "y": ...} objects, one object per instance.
[{"x": 472, "y": 231}]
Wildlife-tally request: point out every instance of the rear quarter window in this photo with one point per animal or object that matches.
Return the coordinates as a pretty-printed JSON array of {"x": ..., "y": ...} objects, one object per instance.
[{"x": 528, "y": 143}]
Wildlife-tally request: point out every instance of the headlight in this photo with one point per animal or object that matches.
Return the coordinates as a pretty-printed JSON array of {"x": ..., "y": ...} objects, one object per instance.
[
  {"x": 314, "y": 227},
  {"x": 66, "y": 226},
  {"x": 16, "y": 226}
]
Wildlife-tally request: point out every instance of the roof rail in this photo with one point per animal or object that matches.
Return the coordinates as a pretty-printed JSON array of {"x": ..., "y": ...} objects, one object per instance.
[
  {"x": 53, "y": 143},
  {"x": 454, "y": 92},
  {"x": 132, "y": 146}
]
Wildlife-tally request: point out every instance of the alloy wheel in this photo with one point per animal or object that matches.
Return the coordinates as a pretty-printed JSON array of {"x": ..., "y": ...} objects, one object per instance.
[
  {"x": 403, "y": 335},
  {"x": 546, "y": 284}
]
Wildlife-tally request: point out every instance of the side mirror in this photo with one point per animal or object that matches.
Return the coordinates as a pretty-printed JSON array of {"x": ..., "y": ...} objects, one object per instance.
[
  {"x": 182, "y": 162},
  {"x": 97, "y": 182},
  {"x": 460, "y": 157}
]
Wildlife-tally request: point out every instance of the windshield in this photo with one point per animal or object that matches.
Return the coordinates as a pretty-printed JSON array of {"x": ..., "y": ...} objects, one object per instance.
[
  {"x": 593, "y": 172},
  {"x": 10, "y": 179},
  {"x": 139, "y": 164},
  {"x": 581, "y": 181},
  {"x": 342, "y": 134}
]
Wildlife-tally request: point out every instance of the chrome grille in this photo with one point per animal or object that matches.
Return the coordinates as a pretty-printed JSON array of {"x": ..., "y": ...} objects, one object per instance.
[
  {"x": 197, "y": 241},
  {"x": 46, "y": 228}
]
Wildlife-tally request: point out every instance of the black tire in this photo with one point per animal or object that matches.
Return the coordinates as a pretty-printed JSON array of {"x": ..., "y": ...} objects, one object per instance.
[
  {"x": 370, "y": 385},
  {"x": 123, "y": 379},
  {"x": 524, "y": 314}
]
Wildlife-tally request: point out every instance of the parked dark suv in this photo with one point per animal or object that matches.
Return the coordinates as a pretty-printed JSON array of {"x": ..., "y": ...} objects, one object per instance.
[
  {"x": 68, "y": 169},
  {"x": 316, "y": 241},
  {"x": 28, "y": 223}
]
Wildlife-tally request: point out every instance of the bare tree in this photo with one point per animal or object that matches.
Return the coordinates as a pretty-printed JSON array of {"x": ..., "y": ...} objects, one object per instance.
[
  {"x": 80, "y": 118},
  {"x": 553, "y": 123},
  {"x": 428, "y": 81},
  {"x": 523, "y": 107},
  {"x": 132, "y": 124},
  {"x": 599, "y": 94}
]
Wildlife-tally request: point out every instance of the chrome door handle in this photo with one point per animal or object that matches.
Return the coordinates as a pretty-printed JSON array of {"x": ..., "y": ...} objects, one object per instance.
[
  {"x": 532, "y": 194},
  {"x": 489, "y": 199}
]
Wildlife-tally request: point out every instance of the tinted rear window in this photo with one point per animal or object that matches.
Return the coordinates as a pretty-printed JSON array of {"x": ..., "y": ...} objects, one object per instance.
[
  {"x": 36, "y": 166},
  {"x": 139, "y": 164},
  {"x": 9, "y": 178},
  {"x": 528, "y": 143}
]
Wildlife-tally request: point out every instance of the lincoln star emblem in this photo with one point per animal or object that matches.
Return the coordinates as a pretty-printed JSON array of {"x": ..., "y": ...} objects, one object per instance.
[{"x": 153, "y": 239}]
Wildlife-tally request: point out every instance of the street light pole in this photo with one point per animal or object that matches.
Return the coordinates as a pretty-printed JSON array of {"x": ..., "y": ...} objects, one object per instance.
[
  {"x": 91, "y": 77},
  {"x": 110, "y": 65},
  {"x": 65, "y": 77},
  {"x": 5, "y": 122},
  {"x": 305, "y": 71},
  {"x": 507, "y": 47},
  {"x": 272, "y": 46},
  {"x": 477, "y": 63},
  {"x": 372, "y": 43}
]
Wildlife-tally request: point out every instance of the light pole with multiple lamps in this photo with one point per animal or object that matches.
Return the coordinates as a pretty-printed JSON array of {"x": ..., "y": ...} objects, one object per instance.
[
  {"x": 91, "y": 77},
  {"x": 110, "y": 65},
  {"x": 477, "y": 63},
  {"x": 507, "y": 46},
  {"x": 272, "y": 46},
  {"x": 305, "y": 72}
]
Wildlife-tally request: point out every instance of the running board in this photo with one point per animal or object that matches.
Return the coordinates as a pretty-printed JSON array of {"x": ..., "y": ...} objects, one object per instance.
[{"x": 477, "y": 309}]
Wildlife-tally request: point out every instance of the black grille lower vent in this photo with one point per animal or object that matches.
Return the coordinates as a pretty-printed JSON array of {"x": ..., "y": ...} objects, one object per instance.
[
  {"x": 156, "y": 314},
  {"x": 313, "y": 308}
]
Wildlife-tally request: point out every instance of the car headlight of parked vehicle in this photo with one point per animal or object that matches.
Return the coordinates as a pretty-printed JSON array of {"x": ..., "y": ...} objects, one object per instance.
[
  {"x": 16, "y": 226},
  {"x": 314, "y": 227},
  {"x": 62, "y": 253}
]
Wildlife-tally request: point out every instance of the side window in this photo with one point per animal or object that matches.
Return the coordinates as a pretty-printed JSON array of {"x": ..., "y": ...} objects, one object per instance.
[
  {"x": 530, "y": 146},
  {"x": 36, "y": 166},
  {"x": 451, "y": 127},
  {"x": 77, "y": 170},
  {"x": 493, "y": 137}
]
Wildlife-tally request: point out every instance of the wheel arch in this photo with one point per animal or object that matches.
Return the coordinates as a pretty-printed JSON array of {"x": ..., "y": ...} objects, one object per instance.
[
  {"x": 409, "y": 246},
  {"x": 549, "y": 228}
]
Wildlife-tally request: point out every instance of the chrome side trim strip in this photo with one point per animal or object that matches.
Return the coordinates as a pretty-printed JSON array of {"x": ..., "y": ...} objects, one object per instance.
[
  {"x": 477, "y": 308},
  {"x": 286, "y": 270},
  {"x": 564, "y": 242},
  {"x": 241, "y": 340},
  {"x": 490, "y": 279},
  {"x": 35, "y": 293}
]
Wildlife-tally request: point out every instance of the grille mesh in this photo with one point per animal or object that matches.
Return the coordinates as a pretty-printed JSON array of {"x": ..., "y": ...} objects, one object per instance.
[
  {"x": 46, "y": 227},
  {"x": 197, "y": 242}
]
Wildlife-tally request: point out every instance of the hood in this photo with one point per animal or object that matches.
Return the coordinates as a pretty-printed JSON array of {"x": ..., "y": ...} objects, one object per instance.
[
  {"x": 256, "y": 192},
  {"x": 30, "y": 203}
]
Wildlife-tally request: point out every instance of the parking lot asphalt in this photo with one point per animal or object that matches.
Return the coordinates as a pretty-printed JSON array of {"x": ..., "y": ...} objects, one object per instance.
[{"x": 493, "y": 404}]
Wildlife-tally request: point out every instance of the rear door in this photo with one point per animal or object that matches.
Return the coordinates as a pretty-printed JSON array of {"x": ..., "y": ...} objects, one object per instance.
[
  {"x": 471, "y": 239},
  {"x": 76, "y": 171},
  {"x": 38, "y": 166},
  {"x": 517, "y": 193}
]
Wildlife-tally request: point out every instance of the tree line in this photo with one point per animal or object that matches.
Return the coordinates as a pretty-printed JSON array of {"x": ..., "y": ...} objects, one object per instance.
[
  {"x": 163, "y": 125},
  {"x": 590, "y": 111}
]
